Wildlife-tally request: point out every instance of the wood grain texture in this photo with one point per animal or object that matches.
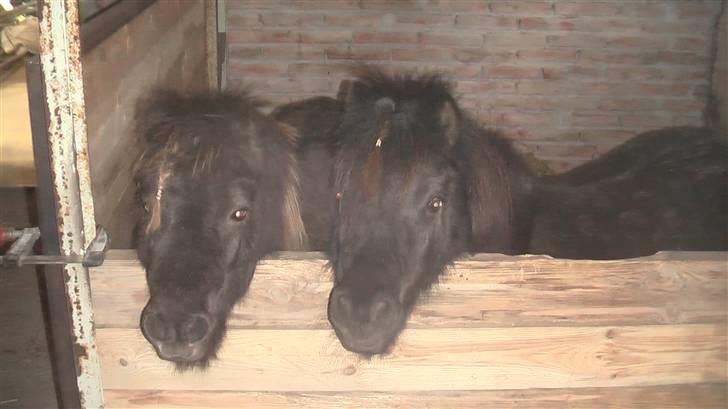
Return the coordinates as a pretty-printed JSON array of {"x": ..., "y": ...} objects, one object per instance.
[
  {"x": 699, "y": 396},
  {"x": 433, "y": 359},
  {"x": 497, "y": 332},
  {"x": 482, "y": 291}
]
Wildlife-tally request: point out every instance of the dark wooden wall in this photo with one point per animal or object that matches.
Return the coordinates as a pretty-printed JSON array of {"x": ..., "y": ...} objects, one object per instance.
[{"x": 164, "y": 45}]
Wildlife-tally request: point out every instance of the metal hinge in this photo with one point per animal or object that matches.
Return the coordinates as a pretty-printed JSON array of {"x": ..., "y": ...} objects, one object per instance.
[{"x": 20, "y": 252}]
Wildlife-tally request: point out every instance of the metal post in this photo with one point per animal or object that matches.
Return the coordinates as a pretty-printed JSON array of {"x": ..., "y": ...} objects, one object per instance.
[{"x": 69, "y": 169}]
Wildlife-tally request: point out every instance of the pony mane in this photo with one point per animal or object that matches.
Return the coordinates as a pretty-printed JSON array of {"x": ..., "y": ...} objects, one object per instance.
[{"x": 193, "y": 129}]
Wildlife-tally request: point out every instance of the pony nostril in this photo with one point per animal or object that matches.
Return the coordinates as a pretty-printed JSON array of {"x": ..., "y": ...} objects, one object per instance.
[
  {"x": 344, "y": 304},
  {"x": 156, "y": 328},
  {"x": 195, "y": 328},
  {"x": 380, "y": 309}
]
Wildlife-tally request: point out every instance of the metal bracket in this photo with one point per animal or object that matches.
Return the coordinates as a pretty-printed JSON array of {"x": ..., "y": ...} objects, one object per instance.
[{"x": 20, "y": 252}]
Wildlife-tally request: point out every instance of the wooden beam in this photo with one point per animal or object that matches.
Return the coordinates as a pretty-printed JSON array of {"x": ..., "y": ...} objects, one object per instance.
[
  {"x": 511, "y": 332},
  {"x": 433, "y": 359},
  {"x": 483, "y": 291},
  {"x": 699, "y": 396}
]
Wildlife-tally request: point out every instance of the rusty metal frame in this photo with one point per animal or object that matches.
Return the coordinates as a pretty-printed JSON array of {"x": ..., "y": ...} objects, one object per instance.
[{"x": 62, "y": 79}]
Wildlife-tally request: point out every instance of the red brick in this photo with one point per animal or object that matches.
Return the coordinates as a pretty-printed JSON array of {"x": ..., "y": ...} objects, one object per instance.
[
  {"x": 521, "y": 7},
  {"x": 637, "y": 42},
  {"x": 291, "y": 19},
  {"x": 325, "y": 4},
  {"x": 424, "y": 21},
  {"x": 627, "y": 104},
  {"x": 243, "y": 53},
  {"x": 634, "y": 9},
  {"x": 515, "y": 40},
  {"x": 539, "y": 87},
  {"x": 697, "y": 9},
  {"x": 701, "y": 90},
  {"x": 585, "y": 9},
  {"x": 256, "y": 69},
  {"x": 358, "y": 53},
  {"x": 603, "y": 88},
  {"x": 292, "y": 52},
  {"x": 369, "y": 20},
  {"x": 486, "y": 22},
  {"x": 512, "y": 71},
  {"x": 324, "y": 37},
  {"x": 570, "y": 72},
  {"x": 681, "y": 105},
  {"x": 617, "y": 25},
  {"x": 695, "y": 44},
  {"x": 559, "y": 103},
  {"x": 469, "y": 104},
  {"x": 422, "y": 54},
  {"x": 611, "y": 57},
  {"x": 525, "y": 118},
  {"x": 675, "y": 57},
  {"x": 593, "y": 120},
  {"x": 484, "y": 86},
  {"x": 480, "y": 55},
  {"x": 458, "y": 5},
  {"x": 453, "y": 39},
  {"x": 261, "y": 36},
  {"x": 520, "y": 102},
  {"x": 675, "y": 90},
  {"x": 464, "y": 70},
  {"x": 294, "y": 86},
  {"x": 634, "y": 73},
  {"x": 575, "y": 40},
  {"x": 546, "y": 23},
  {"x": 645, "y": 120},
  {"x": 455, "y": 71},
  {"x": 385, "y": 37},
  {"x": 686, "y": 74},
  {"x": 558, "y": 55},
  {"x": 391, "y": 5},
  {"x": 661, "y": 26},
  {"x": 486, "y": 118},
  {"x": 686, "y": 120},
  {"x": 319, "y": 69},
  {"x": 237, "y": 19},
  {"x": 246, "y": 5}
]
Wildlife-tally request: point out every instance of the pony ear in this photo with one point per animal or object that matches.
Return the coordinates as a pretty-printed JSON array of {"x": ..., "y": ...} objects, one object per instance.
[
  {"x": 153, "y": 119},
  {"x": 344, "y": 89},
  {"x": 488, "y": 177},
  {"x": 449, "y": 120}
]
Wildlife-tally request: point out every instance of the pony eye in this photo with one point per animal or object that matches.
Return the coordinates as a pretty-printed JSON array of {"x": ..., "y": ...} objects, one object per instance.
[
  {"x": 239, "y": 215},
  {"x": 435, "y": 204}
]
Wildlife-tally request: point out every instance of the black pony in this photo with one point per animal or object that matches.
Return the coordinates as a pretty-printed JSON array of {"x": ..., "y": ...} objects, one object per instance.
[
  {"x": 662, "y": 190},
  {"x": 419, "y": 183},
  {"x": 219, "y": 182}
]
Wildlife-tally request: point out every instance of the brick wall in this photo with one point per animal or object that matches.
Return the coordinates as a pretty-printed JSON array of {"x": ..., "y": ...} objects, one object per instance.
[
  {"x": 164, "y": 45},
  {"x": 566, "y": 79}
]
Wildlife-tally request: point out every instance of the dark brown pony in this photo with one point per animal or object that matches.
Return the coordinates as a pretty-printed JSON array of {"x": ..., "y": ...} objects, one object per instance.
[
  {"x": 420, "y": 183},
  {"x": 662, "y": 190},
  {"x": 219, "y": 182}
]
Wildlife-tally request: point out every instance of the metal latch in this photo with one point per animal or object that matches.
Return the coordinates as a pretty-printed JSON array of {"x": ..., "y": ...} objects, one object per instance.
[{"x": 20, "y": 252}]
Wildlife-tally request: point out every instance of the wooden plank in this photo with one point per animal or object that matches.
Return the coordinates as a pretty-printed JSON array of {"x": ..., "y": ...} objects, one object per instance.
[
  {"x": 699, "y": 396},
  {"x": 433, "y": 359},
  {"x": 291, "y": 291}
]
